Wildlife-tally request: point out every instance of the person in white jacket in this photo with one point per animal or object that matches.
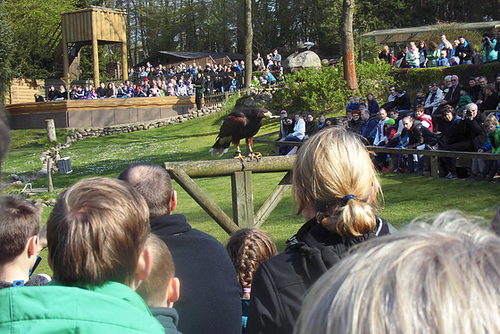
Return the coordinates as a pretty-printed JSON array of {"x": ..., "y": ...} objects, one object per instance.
[
  {"x": 299, "y": 131},
  {"x": 434, "y": 98}
]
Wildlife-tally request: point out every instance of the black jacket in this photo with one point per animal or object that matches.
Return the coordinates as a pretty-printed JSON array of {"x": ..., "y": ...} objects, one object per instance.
[
  {"x": 280, "y": 284},
  {"x": 419, "y": 134},
  {"x": 210, "y": 293}
]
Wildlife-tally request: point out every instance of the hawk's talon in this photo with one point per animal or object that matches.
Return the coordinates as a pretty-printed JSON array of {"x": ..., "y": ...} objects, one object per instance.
[{"x": 256, "y": 155}]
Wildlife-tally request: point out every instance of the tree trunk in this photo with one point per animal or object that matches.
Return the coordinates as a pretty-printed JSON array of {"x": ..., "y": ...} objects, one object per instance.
[
  {"x": 348, "y": 45},
  {"x": 248, "y": 43}
]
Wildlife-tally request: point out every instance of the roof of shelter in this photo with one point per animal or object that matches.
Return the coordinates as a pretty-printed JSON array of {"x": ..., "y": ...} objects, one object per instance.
[
  {"x": 391, "y": 35},
  {"x": 184, "y": 56}
]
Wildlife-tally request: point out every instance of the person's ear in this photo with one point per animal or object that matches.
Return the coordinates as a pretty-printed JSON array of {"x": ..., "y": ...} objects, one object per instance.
[
  {"x": 144, "y": 264},
  {"x": 33, "y": 248},
  {"x": 173, "y": 201},
  {"x": 174, "y": 289}
]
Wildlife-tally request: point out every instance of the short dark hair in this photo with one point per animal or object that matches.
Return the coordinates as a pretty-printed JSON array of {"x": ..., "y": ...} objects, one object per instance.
[
  {"x": 153, "y": 183},
  {"x": 19, "y": 221},
  {"x": 97, "y": 232}
]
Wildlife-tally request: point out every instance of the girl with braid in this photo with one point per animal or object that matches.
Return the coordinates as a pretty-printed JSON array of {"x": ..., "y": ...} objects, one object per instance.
[{"x": 248, "y": 248}]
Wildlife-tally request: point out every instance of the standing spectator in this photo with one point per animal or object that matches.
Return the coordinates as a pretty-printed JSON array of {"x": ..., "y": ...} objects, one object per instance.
[
  {"x": 432, "y": 55},
  {"x": 493, "y": 143},
  {"x": 488, "y": 45},
  {"x": 423, "y": 51},
  {"x": 276, "y": 57},
  {"x": 210, "y": 301},
  {"x": 338, "y": 214},
  {"x": 445, "y": 45},
  {"x": 199, "y": 85},
  {"x": 412, "y": 57},
  {"x": 258, "y": 63},
  {"x": 464, "y": 51},
  {"x": 443, "y": 60},
  {"x": 386, "y": 55}
]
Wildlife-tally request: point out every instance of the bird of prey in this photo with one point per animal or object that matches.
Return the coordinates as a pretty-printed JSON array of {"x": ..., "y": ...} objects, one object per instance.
[{"x": 239, "y": 124}]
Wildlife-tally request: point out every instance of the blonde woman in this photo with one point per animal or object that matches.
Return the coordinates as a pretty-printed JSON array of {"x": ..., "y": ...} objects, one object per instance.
[{"x": 336, "y": 186}]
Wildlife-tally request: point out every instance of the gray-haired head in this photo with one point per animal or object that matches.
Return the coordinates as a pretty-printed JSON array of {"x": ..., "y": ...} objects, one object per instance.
[{"x": 442, "y": 278}]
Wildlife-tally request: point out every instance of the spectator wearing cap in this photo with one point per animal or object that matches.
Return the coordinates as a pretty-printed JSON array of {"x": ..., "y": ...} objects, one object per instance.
[
  {"x": 465, "y": 98},
  {"x": 286, "y": 125}
]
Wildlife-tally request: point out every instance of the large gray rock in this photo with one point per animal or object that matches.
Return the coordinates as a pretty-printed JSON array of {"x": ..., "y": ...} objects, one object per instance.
[{"x": 300, "y": 61}]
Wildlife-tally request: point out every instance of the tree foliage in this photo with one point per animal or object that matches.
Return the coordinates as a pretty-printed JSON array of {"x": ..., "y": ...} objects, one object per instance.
[{"x": 7, "y": 48}]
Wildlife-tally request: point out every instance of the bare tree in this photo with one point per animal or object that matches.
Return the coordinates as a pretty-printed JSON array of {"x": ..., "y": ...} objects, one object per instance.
[{"x": 348, "y": 45}]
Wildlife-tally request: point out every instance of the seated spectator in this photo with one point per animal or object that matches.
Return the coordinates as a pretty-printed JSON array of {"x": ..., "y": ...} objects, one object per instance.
[
  {"x": 234, "y": 86},
  {"x": 102, "y": 92},
  {"x": 39, "y": 98},
  {"x": 380, "y": 134},
  {"x": 286, "y": 125},
  {"x": 454, "y": 61},
  {"x": 412, "y": 56},
  {"x": 61, "y": 94},
  {"x": 112, "y": 91},
  {"x": 453, "y": 94},
  {"x": 420, "y": 138},
  {"x": 420, "y": 280},
  {"x": 20, "y": 243},
  {"x": 468, "y": 135},
  {"x": 369, "y": 128},
  {"x": 311, "y": 126},
  {"x": 474, "y": 89},
  {"x": 210, "y": 293},
  {"x": 299, "y": 131},
  {"x": 491, "y": 167},
  {"x": 352, "y": 105},
  {"x": 96, "y": 236},
  {"x": 419, "y": 99},
  {"x": 482, "y": 82},
  {"x": 465, "y": 98},
  {"x": 321, "y": 121},
  {"x": 356, "y": 124},
  {"x": 339, "y": 215},
  {"x": 248, "y": 248},
  {"x": 161, "y": 289},
  {"x": 433, "y": 99},
  {"x": 491, "y": 98},
  {"x": 51, "y": 93},
  {"x": 423, "y": 118},
  {"x": 373, "y": 106}
]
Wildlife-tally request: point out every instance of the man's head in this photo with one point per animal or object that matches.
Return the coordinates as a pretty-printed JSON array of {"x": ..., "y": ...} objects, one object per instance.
[
  {"x": 483, "y": 81},
  {"x": 284, "y": 114},
  {"x": 365, "y": 115},
  {"x": 362, "y": 106},
  {"x": 383, "y": 113},
  {"x": 447, "y": 80},
  {"x": 154, "y": 184},
  {"x": 392, "y": 89},
  {"x": 454, "y": 80},
  {"x": 471, "y": 110},
  {"x": 97, "y": 232},
  {"x": 348, "y": 114},
  {"x": 19, "y": 227},
  {"x": 408, "y": 122},
  {"x": 461, "y": 39},
  {"x": 443, "y": 37},
  {"x": 297, "y": 117}
]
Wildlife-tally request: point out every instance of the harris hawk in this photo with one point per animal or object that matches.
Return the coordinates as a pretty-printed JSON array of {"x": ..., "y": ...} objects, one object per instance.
[{"x": 243, "y": 123}]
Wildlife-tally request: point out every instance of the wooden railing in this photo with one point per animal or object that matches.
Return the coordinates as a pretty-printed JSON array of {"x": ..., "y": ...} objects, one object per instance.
[{"x": 241, "y": 184}]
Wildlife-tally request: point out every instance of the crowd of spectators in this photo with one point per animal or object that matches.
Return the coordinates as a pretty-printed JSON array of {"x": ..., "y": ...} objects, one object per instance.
[
  {"x": 123, "y": 262},
  {"x": 430, "y": 54},
  {"x": 176, "y": 80}
]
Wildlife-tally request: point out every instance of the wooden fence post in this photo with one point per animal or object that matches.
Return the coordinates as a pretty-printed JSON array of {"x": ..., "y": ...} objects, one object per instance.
[
  {"x": 51, "y": 130},
  {"x": 241, "y": 185}
]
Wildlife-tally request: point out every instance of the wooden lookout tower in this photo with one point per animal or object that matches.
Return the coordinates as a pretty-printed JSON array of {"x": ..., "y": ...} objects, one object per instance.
[{"x": 95, "y": 26}]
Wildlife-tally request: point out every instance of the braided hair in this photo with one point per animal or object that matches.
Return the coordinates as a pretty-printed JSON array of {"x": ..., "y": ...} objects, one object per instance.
[{"x": 248, "y": 248}]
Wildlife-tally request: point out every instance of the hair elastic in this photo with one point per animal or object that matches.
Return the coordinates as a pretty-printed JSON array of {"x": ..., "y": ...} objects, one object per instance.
[
  {"x": 348, "y": 197},
  {"x": 247, "y": 290}
]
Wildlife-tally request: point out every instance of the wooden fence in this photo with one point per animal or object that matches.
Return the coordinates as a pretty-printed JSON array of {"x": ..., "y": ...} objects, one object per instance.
[{"x": 241, "y": 184}]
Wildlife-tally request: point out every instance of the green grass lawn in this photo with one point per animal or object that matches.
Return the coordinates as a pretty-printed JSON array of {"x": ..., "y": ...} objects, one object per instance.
[{"x": 405, "y": 197}]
